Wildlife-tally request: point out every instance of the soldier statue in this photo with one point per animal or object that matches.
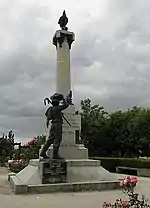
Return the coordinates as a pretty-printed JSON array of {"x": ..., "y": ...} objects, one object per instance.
[{"x": 54, "y": 113}]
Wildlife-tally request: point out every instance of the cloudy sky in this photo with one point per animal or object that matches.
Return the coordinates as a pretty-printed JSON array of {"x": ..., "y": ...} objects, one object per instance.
[{"x": 110, "y": 59}]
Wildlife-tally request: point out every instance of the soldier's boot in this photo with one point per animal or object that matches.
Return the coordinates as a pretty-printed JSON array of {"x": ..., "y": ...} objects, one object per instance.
[
  {"x": 56, "y": 155},
  {"x": 43, "y": 151}
]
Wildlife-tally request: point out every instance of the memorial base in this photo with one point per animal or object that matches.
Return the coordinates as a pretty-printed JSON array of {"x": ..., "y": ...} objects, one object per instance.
[
  {"x": 70, "y": 151},
  {"x": 82, "y": 175}
]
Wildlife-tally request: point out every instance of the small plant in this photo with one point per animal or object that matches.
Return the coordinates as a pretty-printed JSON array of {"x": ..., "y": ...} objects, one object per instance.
[
  {"x": 127, "y": 185},
  {"x": 17, "y": 165}
]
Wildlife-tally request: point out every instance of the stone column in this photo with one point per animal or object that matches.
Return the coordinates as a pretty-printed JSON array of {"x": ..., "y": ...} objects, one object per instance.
[
  {"x": 69, "y": 149},
  {"x": 63, "y": 40}
]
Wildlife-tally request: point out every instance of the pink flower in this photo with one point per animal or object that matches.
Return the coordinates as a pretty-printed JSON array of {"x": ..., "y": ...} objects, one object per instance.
[
  {"x": 125, "y": 182},
  {"x": 128, "y": 182},
  {"x": 125, "y": 203},
  {"x": 134, "y": 181},
  {"x": 106, "y": 204}
]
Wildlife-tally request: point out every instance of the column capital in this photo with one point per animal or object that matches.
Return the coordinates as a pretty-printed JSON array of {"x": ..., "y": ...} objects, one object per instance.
[{"x": 61, "y": 35}]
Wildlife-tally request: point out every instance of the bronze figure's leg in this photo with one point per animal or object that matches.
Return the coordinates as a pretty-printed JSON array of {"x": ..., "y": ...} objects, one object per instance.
[
  {"x": 48, "y": 143},
  {"x": 57, "y": 140}
]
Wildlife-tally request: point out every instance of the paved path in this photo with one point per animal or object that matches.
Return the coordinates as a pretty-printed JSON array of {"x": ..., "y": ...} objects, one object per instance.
[
  {"x": 62, "y": 200},
  {"x": 4, "y": 184}
]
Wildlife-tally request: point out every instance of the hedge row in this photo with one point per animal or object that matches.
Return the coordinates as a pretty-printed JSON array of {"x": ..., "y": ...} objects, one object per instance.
[{"x": 111, "y": 163}]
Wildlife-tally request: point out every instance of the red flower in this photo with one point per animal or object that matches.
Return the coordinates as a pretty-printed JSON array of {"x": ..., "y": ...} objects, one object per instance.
[{"x": 32, "y": 142}]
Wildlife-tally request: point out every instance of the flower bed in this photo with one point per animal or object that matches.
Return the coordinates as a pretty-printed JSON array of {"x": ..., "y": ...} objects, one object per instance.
[
  {"x": 17, "y": 165},
  {"x": 21, "y": 157},
  {"x": 127, "y": 185}
]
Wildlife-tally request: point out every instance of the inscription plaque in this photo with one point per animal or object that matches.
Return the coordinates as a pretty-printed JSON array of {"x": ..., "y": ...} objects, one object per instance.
[
  {"x": 53, "y": 171},
  {"x": 74, "y": 120}
]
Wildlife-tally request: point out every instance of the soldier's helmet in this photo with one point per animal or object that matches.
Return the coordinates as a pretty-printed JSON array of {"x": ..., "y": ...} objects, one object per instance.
[{"x": 57, "y": 97}]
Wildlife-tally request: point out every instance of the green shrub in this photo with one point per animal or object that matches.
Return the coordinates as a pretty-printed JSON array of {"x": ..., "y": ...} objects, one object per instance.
[
  {"x": 134, "y": 162},
  {"x": 111, "y": 163},
  {"x": 108, "y": 163}
]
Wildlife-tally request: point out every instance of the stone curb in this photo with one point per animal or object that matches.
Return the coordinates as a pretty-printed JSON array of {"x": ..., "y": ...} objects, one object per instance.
[
  {"x": 11, "y": 174},
  {"x": 18, "y": 186},
  {"x": 73, "y": 187}
]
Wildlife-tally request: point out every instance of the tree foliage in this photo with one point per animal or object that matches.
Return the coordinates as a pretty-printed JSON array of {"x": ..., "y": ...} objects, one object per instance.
[
  {"x": 6, "y": 146},
  {"x": 119, "y": 134},
  {"x": 125, "y": 134}
]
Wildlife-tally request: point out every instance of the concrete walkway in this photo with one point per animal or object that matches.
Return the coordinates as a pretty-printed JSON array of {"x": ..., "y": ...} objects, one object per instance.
[{"x": 62, "y": 200}]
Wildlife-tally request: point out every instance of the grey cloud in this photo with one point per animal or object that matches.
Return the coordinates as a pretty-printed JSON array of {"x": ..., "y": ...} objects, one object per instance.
[{"x": 109, "y": 58}]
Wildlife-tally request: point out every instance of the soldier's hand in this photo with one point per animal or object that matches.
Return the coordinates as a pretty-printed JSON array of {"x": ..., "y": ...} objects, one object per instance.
[{"x": 68, "y": 99}]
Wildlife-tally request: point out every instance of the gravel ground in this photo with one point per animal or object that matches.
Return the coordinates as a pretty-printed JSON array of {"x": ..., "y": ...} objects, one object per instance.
[{"x": 62, "y": 200}]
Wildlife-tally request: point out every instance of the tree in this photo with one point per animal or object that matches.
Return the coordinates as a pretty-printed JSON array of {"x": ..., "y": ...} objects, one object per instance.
[
  {"x": 125, "y": 134},
  {"x": 94, "y": 127},
  {"x": 6, "y": 148}
]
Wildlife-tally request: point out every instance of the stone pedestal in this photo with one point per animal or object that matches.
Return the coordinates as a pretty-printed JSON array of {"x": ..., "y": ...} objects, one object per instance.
[
  {"x": 52, "y": 171},
  {"x": 82, "y": 175},
  {"x": 68, "y": 148},
  {"x": 70, "y": 152}
]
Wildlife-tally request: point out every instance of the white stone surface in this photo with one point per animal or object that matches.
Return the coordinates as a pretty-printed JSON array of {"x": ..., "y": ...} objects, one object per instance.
[
  {"x": 63, "y": 82},
  {"x": 70, "y": 151},
  {"x": 72, "y": 162},
  {"x": 89, "y": 173},
  {"x": 29, "y": 175},
  {"x": 68, "y": 134},
  {"x": 77, "y": 171},
  {"x": 70, "y": 110},
  {"x": 74, "y": 120}
]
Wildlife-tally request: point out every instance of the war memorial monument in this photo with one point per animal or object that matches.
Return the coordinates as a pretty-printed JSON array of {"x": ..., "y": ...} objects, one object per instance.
[{"x": 63, "y": 164}]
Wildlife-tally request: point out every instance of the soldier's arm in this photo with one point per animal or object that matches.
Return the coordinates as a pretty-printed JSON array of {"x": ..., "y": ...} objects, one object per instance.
[
  {"x": 47, "y": 113},
  {"x": 64, "y": 105}
]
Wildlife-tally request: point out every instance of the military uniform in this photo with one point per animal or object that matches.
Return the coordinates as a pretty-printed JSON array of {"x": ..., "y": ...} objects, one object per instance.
[{"x": 54, "y": 114}]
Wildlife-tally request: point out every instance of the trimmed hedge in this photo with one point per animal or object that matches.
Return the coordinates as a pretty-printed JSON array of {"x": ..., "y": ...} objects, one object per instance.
[{"x": 111, "y": 163}]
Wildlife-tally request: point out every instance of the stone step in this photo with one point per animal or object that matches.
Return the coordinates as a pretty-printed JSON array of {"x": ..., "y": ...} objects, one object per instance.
[
  {"x": 67, "y": 187},
  {"x": 72, "y": 163},
  {"x": 73, "y": 187},
  {"x": 70, "y": 151}
]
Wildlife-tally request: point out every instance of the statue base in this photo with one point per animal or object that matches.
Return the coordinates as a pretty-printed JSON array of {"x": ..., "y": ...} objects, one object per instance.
[
  {"x": 70, "y": 151},
  {"x": 82, "y": 175}
]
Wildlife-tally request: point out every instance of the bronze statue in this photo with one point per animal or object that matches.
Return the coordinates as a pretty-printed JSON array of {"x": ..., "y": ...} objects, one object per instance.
[
  {"x": 63, "y": 20},
  {"x": 54, "y": 113},
  {"x": 70, "y": 98},
  {"x": 11, "y": 134}
]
